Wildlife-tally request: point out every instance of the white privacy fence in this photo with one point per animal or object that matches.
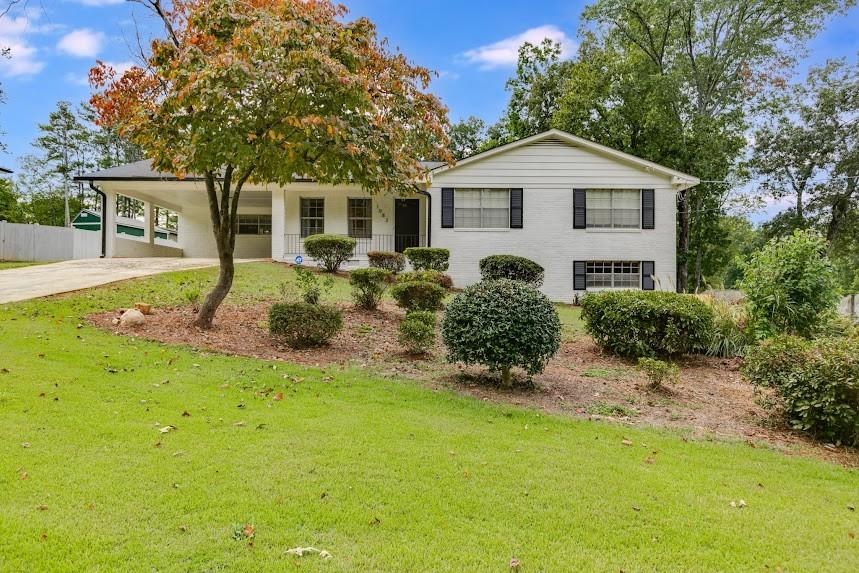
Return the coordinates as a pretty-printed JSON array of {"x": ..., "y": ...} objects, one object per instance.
[{"x": 42, "y": 243}]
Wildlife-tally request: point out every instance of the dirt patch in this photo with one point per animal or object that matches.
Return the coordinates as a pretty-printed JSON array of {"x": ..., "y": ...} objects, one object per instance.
[{"x": 712, "y": 400}]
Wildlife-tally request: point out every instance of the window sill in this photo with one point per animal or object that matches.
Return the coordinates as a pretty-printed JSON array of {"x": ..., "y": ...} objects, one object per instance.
[
  {"x": 613, "y": 230},
  {"x": 480, "y": 230}
]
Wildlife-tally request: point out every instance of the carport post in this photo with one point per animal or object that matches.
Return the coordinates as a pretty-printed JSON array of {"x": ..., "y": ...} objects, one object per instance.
[{"x": 150, "y": 221}]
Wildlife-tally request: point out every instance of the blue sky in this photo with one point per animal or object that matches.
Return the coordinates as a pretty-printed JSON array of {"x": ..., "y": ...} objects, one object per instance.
[{"x": 471, "y": 44}]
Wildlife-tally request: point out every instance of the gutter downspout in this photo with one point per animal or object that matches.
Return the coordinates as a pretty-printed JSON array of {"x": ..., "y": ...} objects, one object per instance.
[
  {"x": 429, "y": 216},
  {"x": 103, "y": 217}
]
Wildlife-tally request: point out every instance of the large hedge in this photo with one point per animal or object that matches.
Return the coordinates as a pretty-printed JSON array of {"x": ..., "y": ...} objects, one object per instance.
[
  {"x": 301, "y": 324},
  {"x": 791, "y": 286},
  {"x": 637, "y": 323},
  {"x": 511, "y": 267},
  {"x": 817, "y": 383},
  {"x": 428, "y": 258},
  {"x": 388, "y": 260},
  {"x": 436, "y": 277},
  {"x": 501, "y": 324},
  {"x": 330, "y": 251}
]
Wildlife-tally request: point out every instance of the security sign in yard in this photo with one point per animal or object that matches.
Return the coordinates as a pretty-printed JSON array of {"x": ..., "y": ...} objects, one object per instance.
[{"x": 299, "y": 259}]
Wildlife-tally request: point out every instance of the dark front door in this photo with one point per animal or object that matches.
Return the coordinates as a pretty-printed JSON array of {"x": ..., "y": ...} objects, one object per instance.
[{"x": 406, "y": 224}]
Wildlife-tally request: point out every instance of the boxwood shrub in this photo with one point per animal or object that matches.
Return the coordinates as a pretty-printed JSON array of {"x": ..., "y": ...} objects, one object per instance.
[
  {"x": 417, "y": 331},
  {"x": 636, "y": 323},
  {"x": 368, "y": 286},
  {"x": 330, "y": 251},
  {"x": 388, "y": 260},
  {"x": 418, "y": 295},
  {"x": 436, "y": 277},
  {"x": 301, "y": 324},
  {"x": 502, "y": 323},
  {"x": 428, "y": 258},
  {"x": 817, "y": 383},
  {"x": 511, "y": 267}
]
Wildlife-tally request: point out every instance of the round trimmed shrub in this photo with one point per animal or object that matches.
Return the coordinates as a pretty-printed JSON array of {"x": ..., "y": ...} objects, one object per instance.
[
  {"x": 428, "y": 258},
  {"x": 637, "y": 323},
  {"x": 418, "y": 295},
  {"x": 388, "y": 260},
  {"x": 417, "y": 331},
  {"x": 301, "y": 324},
  {"x": 368, "y": 286},
  {"x": 330, "y": 251},
  {"x": 511, "y": 267},
  {"x": 436, "y": 277},
  {"x": 502, "y": 323}
]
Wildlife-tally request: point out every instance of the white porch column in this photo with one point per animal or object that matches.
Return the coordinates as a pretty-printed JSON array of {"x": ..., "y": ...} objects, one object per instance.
[
  {"x": 109, "y": 222},
  {"x": 278, "y": 224}
]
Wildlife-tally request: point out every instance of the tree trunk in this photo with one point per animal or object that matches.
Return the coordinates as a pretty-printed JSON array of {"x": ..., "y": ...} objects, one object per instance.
[
  {"x": 223, "y": 212},
  {"x": 506, "y": 379},
  {"x": 683, "y": 241}
]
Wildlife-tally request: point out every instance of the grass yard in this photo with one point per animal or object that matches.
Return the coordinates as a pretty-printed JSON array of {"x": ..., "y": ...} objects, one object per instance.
[
  {"x": 18, "y": 264},
  {"x": 121, "y": 454}
]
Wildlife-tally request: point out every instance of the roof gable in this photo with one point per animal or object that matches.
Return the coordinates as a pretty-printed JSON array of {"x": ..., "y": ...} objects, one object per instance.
[{"x": 679, "y": 179}]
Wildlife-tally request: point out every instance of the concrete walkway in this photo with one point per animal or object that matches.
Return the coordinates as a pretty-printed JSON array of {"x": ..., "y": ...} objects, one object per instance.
[{"x": 42, "y": 280}]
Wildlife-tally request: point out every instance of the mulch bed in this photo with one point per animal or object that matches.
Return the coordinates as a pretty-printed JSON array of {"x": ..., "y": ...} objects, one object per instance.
[{"x": 712, "y": 400}]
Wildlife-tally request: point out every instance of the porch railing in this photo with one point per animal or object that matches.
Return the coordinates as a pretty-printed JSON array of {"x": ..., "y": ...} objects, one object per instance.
[{"x": 294, "y": 244}]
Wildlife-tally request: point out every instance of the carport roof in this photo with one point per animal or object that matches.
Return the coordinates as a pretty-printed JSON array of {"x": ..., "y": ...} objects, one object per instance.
[{"x": 143, "y": 171}]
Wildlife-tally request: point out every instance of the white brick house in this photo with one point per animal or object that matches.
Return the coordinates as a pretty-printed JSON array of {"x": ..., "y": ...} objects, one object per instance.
[{"x": 592, "y": 216}]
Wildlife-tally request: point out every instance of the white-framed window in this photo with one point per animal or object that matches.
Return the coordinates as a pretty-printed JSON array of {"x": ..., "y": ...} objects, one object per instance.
[
  {"x": 613, "y": 209},
  {"x": 360, "y": 213},
  {"x": 254, "y": 225},
  {"x": 130, "y": 208},
  {"x": 481, "y": 208},
  {"x": 613, "y": 274},
  {"x": 312, "y": 216}
]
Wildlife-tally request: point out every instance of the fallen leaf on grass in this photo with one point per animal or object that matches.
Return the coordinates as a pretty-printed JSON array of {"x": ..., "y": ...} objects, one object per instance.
[
  {"x": 278, "y": 396},
  {"x": 514, "y": 564},
  {"x": 42, "y": 507},
  {"x": 166, "y": 429},
  {"x": 627, "y": 442},
  {"x": 302, "y": 551},
  {"x": 186, "y": 413}
]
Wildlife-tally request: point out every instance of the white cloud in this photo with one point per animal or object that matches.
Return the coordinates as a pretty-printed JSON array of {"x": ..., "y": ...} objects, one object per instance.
[
  {"x": 81, "y": 43},
  {"x": 506, "y": 52},
  {"x": 23, "y": 57}
]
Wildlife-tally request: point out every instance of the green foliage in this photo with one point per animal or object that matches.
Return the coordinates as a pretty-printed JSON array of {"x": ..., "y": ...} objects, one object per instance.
[
  {"x": 302, "y": 325},
  {"x": 418, "y": 295},
  {"x": 817, "y": 382},
  {"x": 600, "y": 408},
  {"x": 10, "y": 208},
  {"x": 417, "y": 331},
  {"x": 368, "y": 286},
  {"x": 729, "y": 336},
  {"x": 388, "y": 260},
  {"x": 637, "y": 323},
  {"x": 436, "y": 277},
  {"x": 511, "y": 267},
  {"x": 658, "y": 371},
  {"x": 428, "y": 258},
  {"x": 192, "y": 295},
  {"x": 501, "y": 324},
  {"x": 790, "y": 286},
  {"x": 330, "y": 251},
  {"x": 311, "y": 286},
  {"x": 466, "y": 137}
]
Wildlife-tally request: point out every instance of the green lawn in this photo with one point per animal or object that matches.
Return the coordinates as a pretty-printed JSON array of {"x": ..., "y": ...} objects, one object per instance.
[
  {"x": 17, "y": 264},
  {"x": 386, "y": 475}
]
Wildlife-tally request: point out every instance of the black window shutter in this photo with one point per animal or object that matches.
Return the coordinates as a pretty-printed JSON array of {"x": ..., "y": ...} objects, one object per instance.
[
  {"x": 648, "y": 270},
  {"x": 579, "y": 209},
  {"x": 515, "y": 208},
  {"x": 579, "y": 275},
  {"x": 647, "y": 207},
  {"x": 447, "y": 208}
]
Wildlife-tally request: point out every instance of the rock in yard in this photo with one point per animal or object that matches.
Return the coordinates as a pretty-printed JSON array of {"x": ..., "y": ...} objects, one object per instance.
[
  {"x": 143, "y": 307},
  {"x": 132, "y": 317}
]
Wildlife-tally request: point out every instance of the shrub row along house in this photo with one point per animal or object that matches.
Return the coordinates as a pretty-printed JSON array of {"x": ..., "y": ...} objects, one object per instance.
[{"x": 592, "y": 216}]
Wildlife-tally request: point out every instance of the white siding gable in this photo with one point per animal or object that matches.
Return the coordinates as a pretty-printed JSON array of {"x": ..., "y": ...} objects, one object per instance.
[{"x": 548, "y": 170}]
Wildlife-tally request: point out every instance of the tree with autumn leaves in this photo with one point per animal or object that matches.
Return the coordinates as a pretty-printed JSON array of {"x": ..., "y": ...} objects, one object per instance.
[{"x": 262, "y": 91}]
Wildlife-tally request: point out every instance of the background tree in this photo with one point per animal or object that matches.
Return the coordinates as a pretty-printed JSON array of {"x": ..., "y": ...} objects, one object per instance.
[
  {"x": 10, "y": 208},
  {"x": 260, "y": 91},
  {"x": 467, "y": 137}
]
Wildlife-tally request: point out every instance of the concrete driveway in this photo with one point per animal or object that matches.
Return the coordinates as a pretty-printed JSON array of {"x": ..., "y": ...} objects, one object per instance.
[{"x": 42, "y": 280}]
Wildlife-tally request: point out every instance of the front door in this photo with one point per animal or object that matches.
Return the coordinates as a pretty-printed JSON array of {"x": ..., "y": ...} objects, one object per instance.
[{"x": 406, "y": 224}]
